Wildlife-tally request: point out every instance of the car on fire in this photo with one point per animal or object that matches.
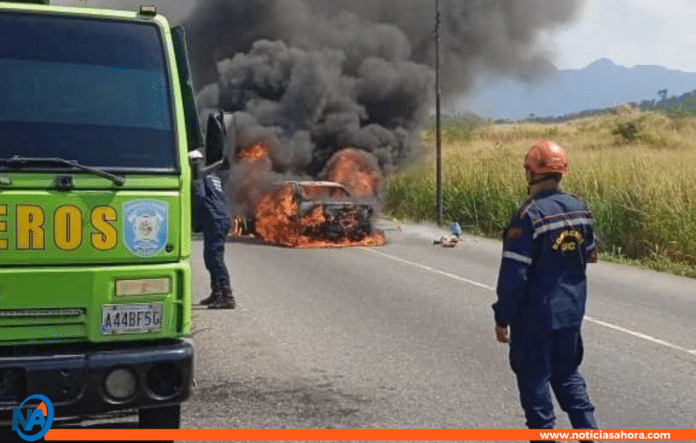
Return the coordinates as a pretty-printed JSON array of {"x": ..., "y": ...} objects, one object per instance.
[
  {"x": 340, "y": 215},
  {"x": 321, "y": 210}
]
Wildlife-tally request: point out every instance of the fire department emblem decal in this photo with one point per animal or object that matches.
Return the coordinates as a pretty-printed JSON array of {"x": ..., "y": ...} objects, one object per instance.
[{"x": 145, "y": 226}]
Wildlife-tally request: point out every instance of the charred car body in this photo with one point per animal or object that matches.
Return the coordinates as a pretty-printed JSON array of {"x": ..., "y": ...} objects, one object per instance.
[{"x": 327, "y": 210}]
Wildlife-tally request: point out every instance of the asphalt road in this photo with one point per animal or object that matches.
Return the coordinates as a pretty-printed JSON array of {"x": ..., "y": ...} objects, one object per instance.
[{"x": 401, "y": 336}]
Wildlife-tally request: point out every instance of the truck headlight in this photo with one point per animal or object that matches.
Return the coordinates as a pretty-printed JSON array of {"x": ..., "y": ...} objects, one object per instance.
[
  {"x": 121, "y": 384},
  {"x": 143, "y": 286}
]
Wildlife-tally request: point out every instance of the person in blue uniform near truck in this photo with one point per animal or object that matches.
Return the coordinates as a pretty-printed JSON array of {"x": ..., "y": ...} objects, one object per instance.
[
  {"x": 542, "y": 289},
  {"x": 211, "y": 209}
]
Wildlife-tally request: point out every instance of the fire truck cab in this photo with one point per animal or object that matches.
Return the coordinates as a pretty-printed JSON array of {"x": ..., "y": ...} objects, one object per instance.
[{"x": 97, "y": 116}]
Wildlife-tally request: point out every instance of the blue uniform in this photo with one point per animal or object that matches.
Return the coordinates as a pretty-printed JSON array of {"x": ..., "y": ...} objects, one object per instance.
[
  {"x": 211, "y": 208},
  {"x": 542, "y": 290}
]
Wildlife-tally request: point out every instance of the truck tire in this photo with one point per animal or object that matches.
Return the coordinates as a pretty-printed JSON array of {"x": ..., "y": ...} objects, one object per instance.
[{"x": 164, "y": 417}]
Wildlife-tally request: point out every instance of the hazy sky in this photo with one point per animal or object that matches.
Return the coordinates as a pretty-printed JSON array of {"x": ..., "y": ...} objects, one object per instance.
[{"x": 630, "y": 32}]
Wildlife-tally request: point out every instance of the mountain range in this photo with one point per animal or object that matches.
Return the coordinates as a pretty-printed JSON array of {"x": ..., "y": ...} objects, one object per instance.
[{"x": 601, "y": 84}]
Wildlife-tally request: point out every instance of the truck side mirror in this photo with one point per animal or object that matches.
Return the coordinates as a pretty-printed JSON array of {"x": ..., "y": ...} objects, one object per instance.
[
  {"x": 215, "y": 139},
  {"x": 220, "y": 132}
]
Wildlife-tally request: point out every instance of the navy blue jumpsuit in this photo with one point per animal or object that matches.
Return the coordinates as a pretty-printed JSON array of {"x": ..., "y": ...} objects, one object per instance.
[
  {"x": 542, "y": 290},
  {"x": 214, "y": 215}
]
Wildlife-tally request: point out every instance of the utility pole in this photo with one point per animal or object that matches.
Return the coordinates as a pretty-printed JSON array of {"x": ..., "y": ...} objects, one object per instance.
[{"x": 438, "y": 146}]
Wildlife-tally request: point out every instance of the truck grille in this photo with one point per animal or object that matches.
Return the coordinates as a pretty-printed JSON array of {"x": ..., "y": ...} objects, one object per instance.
[
  {"x": 41, "y": 312},
  {"x": 42, "y": 325}
]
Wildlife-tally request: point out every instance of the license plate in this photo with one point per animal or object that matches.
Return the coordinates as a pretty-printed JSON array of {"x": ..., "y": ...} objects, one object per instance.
[{"x": 123, "y": 319}]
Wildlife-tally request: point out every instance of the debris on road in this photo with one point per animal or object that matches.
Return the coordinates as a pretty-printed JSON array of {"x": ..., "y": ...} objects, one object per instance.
[{"x": 446, "y": 242}]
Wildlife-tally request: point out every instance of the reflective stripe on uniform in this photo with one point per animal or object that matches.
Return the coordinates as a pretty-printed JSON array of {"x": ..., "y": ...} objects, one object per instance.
[
  {"x": 216, "y": 182},
  {"x": 517, "y": 257},
  {"x": 561, "y": 224}
]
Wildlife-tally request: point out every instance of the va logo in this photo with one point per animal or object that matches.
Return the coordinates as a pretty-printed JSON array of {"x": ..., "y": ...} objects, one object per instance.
[{"x": 41, "y": 416}]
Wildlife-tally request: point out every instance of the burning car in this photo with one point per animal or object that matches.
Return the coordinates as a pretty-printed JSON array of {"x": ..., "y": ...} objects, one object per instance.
[
  {"x": 311, "y": 214},
  {"x": 335, "y": 210},
  {"x": 327, "y": 210}
]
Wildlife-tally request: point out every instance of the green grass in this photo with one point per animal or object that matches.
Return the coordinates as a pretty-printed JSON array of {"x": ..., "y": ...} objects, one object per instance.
[{"x": 641, "y": 185}]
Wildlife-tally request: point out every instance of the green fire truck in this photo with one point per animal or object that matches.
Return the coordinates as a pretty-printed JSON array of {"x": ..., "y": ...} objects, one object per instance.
[{"x": 97, "y": 117}]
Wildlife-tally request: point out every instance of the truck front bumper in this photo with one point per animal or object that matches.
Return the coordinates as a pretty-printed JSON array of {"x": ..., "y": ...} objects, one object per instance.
[{"x": 81, "y": 382}]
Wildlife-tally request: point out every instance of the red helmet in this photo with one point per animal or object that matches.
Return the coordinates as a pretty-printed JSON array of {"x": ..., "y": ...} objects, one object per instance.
[{"x": 546, "y": 157}]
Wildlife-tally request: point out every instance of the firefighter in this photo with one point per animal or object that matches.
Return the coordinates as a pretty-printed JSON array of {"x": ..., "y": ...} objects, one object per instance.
[
  {"x": 542, "y": 289},
  {"x": 211, "y": 209}
]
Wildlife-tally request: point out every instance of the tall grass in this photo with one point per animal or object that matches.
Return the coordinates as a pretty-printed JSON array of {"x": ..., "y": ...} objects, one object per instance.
[{"x": 642, "y": 188}]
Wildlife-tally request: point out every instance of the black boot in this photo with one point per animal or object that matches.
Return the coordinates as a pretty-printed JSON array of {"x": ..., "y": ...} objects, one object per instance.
[
  {"x": 224, "y": 301},
  {"x": 215, "y": 293},
  {"x": 211, "y": 298}
]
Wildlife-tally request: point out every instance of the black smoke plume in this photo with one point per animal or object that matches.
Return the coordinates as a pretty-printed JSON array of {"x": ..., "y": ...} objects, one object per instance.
[{"x": 310, "y": 77}]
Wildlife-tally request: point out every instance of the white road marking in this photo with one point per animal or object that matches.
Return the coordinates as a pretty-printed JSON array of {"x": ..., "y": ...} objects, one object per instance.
[
  {"x": 436, "y": 271},
  {"x": 641, "y": 335},
  {"x": 490, "y": 288}
]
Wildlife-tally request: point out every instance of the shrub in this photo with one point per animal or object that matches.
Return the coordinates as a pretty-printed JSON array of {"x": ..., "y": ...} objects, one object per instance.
[{"x": 627, "y": 130}]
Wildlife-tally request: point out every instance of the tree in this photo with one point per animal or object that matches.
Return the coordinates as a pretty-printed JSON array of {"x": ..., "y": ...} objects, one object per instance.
[{"x": 662, "y": 93}]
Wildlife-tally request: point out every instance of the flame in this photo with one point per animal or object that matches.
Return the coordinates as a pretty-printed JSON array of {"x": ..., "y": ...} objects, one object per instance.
[
  {"x": 251, "y": 174},
  {"x": 254, "y": 154},
  {"x": 355, "y": 170},
  {"x": 278, "y": 222},
  {"x": 276, "y": 211},
  {"x": 273, "y": 217}
]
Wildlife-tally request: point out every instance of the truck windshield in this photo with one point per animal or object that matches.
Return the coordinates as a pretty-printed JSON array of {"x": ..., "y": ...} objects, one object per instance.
[{"x": 85, "y": 89}]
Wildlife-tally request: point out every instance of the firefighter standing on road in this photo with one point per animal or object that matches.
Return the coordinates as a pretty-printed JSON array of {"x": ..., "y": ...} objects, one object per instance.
[
  {"x": 542, "y": 290},
  {"x": 210, "y": 206}
]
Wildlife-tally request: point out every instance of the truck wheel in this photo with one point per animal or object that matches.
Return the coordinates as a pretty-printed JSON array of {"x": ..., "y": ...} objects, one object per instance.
[{"x": 165, "y": 417}]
